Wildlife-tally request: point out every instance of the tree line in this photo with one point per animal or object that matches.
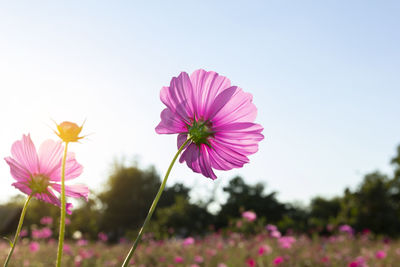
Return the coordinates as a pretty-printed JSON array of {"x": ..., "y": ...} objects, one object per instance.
[{"x": 120, "y": 209}]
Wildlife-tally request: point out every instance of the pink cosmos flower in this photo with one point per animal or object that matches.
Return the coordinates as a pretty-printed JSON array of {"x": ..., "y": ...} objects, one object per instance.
[
  {"x": 198, "y": 259},
  {"x": 380, "y": 254},
  {"x": 38, "y": 173},
  {"x": 277, "y": 260},
  {"x": 178, "y": 259},
  {"x": 249, "y": 216},
  {"x": 216, "y": 116},
  {"x": 188, "y": 241},
  {"x": 102, "y": 237},
  {"x": 46, "y": 220},
  {"x": 34, "y": 246},
  {"x": 346, "y": 229},
  {"x": 250, "y": 262},
  {"x": 264, "y": 249}
]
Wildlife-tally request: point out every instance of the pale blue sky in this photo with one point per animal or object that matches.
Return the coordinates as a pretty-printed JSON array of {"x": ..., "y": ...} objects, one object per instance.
[{"x": 324, "y": 76}]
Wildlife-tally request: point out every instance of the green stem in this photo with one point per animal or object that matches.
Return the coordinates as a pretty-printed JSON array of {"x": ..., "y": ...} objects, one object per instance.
[
  {"x": 21, "y": 220},
  {"x": 63, "y": 209},
  {"x": 153, "y": 206}
]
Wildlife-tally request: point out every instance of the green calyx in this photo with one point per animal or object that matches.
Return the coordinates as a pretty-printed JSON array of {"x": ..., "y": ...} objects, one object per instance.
[
  {"x": 200, "y": 131},
  {"x": 39, "y": 183}
]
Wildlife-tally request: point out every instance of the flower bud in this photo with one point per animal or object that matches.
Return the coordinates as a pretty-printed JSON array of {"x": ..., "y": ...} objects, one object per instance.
[{"x": 69, "y": 131}]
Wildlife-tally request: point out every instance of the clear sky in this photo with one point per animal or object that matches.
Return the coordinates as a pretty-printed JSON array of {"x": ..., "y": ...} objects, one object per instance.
[{"x": 324, "y": 76}]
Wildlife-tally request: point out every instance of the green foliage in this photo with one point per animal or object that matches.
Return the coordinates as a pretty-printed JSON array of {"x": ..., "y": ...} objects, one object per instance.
[
  {"x": 182, "y": 219},
  {"x": 242, "y": 196},
  {"x": 126, "y": 201}
]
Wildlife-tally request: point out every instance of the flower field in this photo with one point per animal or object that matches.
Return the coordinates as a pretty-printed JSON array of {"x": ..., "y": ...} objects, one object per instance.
[{"x": 234, "y": 249}]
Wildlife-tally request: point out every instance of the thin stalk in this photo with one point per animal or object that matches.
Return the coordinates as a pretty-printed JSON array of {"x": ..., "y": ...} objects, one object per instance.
[
  {"x": 153, "y": 206},
  {"x": 21, "y": 221},
  {"x": 63, "y": 209}
]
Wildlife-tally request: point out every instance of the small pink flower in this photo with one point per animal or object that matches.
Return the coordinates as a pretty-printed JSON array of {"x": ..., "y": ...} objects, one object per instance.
[
  {"x": 271, "y": 228},
  {"x": 249, "y": 216},
  {"x": 82, "y": 242},
  {"x": 380, "y": 254},
  {"x": 194, "y": 265},
  {"x": 275, "y": 234},
  {"x": 178, "y": 259},
  {"x": 102, "y": 237},
  {"x": 188, "y": 241},
  {"x": 123, "y": 240},
  {"x": 46, "y": 220},
  {"x": 216, "y": 116},
  {"x": 67, "y": 249},
  {"x": 67, "y": 221},
  {"x": 286, "y": 241},
  {"x": 34, "y": 246},
  {"x": 198, "y": 259},
  {"x": 277, "y": 260},
  {"x": 23, "y": 233},
  {"x": 250, "y": 262},
  {"x": 353, "y": 264},
  {"x": 46, "y": 233},
  {"x": 39, "y": 173},
  {"x": 346, "y": 229},
  {"x": 264, "y": 249},
  {"x": 222, "y": 265}
]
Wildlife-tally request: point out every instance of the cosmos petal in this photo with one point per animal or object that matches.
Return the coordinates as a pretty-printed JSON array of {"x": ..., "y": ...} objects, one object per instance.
[
  {"x": 24, "y": 152},
  {"x": 76, "y": 191}
]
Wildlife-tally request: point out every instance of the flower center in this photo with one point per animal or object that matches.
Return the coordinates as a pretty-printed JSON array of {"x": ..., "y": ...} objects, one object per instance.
[
  {"x": 200, "y": 131},
  {"x": 39, "y": 184}
]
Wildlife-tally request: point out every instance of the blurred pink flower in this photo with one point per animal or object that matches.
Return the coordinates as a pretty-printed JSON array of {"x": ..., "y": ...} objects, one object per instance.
[
  {"x": 86, "y": 253},
  {"x": 188, "y": 241},
  {"x": 178, "y": 259},
  {"x": 271, "y": 228},
  {"x": 380, "y": 254},
  {"x": 102, "y": 237},
  {"x": 67, "y": 221},
  {"x": 198, "y": 259},
  {"x": 123, "y": 240},
  {"x": 346, "y": 229},
  {"x": 286, "y": 241},
  {"x": 358, "y": 262},
  {"x": 34, "y": 246},
  {"x": 43, "y": 233},
  {"x": 46, "y": 220},
  {"x": 38, "y": 173},
  {"x": 67, "y": 249},
  {"x": 222, "y": 265},
  {"x": 277, "y": 260},
  {"x": 275, "y": 234},
  {"x": 264, "y": 249},
  {"x": 250, "y": 262},
  {"x": 23, "y": 233},
  {"x": 217, "y": 116},
  {"x": 249, "y": 216},
  {"x": 82, "y": 242}
]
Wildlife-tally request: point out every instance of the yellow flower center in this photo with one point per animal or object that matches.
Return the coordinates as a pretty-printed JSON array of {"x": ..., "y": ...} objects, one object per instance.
[{"x": 38, "y": 184}]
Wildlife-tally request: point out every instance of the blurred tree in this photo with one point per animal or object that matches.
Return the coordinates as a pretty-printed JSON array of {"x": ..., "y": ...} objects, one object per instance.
[
  {"x": 86, "y": 219},
  {"x": 242, "y": 196},
  {"x": 323, "y": 212},
  {"x": 127, "y": 198},
  {"x": 375, "y": 208},
  {"x": 181, "y": 219}
]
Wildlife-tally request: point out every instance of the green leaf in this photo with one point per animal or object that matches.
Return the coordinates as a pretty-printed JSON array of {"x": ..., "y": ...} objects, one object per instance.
[{"x": 9, "y": 241}]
